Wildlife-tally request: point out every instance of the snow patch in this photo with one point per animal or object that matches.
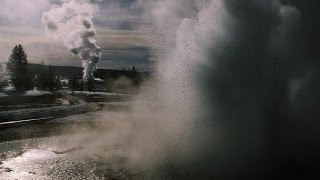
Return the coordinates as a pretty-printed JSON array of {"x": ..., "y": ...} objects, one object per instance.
[
  {"x": 36, "y": 92},
  {"x": 3, "y": 94},
  {"x": 99, "y": 93},
  {"x": 63, "y": 101}
]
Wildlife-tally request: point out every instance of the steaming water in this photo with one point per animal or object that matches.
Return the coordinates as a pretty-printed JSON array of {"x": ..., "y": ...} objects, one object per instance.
[
  {"x": 85, "y": 153},
  {"x": 216, "y": 68},
  {"x": 43, "y": 162},
  {"x": 212, "y": 107}
]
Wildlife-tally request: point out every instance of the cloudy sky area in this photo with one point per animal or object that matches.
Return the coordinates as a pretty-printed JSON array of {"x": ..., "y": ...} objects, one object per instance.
[{"x": 121, "y": 33}]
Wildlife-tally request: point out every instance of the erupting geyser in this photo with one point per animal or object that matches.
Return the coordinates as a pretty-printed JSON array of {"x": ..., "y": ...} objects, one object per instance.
[
  {"x": 234, "y": 94},
  {"x": 71, "y": 22}
]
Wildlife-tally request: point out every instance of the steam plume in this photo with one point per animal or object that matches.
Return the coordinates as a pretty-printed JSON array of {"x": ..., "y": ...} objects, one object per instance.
[
  {"x": 71, "y": 23},
  {"x": 224, "y": 65}
]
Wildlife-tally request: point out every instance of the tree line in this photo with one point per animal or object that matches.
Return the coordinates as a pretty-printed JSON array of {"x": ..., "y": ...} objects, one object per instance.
[
  {"x": 21, "y": 79},
  {"x": 18, "y": 75}
]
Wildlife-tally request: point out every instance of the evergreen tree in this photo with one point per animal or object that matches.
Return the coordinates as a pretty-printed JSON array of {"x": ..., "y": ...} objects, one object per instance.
[
  {"x": 3, "y": 78},
  {"x": 135, "y": 76},
  {"x": 17, "y": 68},
  {"x": 57, "y": 82},
  {"x": 42, "y": 78},
  {"x": 133, "y": 69},
  {"x": 90, "y": 85},
  {"x": 73, "y": 83},
  {"x": 50, "y": 79},
  {"x": 47, "y": 79},
  {"x": 81, "y": 85}
]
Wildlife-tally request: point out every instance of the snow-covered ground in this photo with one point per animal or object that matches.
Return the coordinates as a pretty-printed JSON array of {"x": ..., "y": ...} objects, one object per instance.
[
  {"x": 3, "y": 94},
  {"x": 65, "y": 107},
  {"x": 98, "y": 93},
  {"x": 33, "y": 92},
  {"x": 36, "y": 92}
]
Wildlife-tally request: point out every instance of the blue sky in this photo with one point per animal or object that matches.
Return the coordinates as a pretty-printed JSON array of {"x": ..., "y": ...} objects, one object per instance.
[{"x": 122, "y": 32}]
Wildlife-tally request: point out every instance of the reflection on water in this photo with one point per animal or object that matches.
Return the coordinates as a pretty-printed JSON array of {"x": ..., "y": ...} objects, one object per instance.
[
  {"x": 46, "y": 162},
  {"x": 108, "y": 144},
  {"x": 31, "y": 159},
  {"x": 66, "y": 154}
]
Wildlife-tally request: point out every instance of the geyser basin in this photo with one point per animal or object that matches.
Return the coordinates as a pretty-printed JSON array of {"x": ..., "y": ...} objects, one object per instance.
[{"x": 234, "y": 90}]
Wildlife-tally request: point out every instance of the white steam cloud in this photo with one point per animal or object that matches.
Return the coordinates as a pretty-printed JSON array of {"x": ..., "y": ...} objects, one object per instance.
[
  {"x": 188, "y": 29},
  {"x": 195, "y": 35},
  {"x": 71, "y": 23}
]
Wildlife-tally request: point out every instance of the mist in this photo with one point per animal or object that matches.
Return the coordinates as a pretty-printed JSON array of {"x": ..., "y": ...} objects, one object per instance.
[
  {"x": 234, "y": 93},
  {"x": 25, "y": 12}
]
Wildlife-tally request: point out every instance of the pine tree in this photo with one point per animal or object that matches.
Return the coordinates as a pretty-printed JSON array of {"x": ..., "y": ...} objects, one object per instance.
[
  {"x": 81, "y": 85},
  {"x": 73, "y": 83},
  {"x": 17, "y": 68},
  {"x": 51, "y": 78},
  {"x": 90, "y": 85},
  {"x": 57, "y": 82},
  {"x": 133, "y": 69},
  {"x": 3, "y": 78},
  {"x": 42, "y": 77}
]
